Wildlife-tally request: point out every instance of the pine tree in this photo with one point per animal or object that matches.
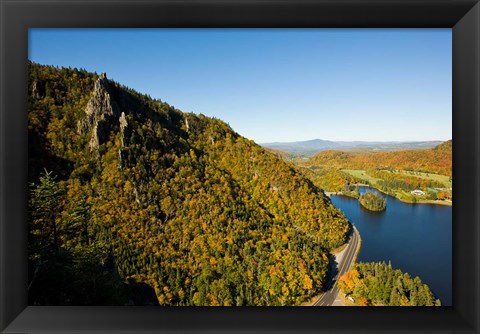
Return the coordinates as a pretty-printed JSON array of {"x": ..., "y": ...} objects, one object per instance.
[{"x": 44, "y": 229}]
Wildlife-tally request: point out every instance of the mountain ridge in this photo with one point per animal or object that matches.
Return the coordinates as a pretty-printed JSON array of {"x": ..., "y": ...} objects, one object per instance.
[
  {"x": 311, "y": 147},
  {"x": 177, "y": 202}
]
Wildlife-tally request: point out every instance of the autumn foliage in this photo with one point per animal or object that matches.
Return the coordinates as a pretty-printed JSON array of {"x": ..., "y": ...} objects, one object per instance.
[
  {"x": 164, "y": 202},
  {"x": 378, "y": 284},
  {"x": 437, "y": 160}
]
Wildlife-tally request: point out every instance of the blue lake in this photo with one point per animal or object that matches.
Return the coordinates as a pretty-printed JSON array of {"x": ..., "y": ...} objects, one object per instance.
[{"x": 416, "y": 238}]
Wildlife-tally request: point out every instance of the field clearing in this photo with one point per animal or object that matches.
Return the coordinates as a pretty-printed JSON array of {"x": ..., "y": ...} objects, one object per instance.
[
  {"x": 429, "y": 176},
  {"x": 401, "y": 194},
  {"x": 361, "y": 174}
]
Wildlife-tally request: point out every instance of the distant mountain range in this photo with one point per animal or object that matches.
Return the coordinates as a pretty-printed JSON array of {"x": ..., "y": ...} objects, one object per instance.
[{"x": 311, "y": 147}]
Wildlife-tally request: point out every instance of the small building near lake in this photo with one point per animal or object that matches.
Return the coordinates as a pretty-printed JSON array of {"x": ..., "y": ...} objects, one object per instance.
[{"x": 417, "y": 192}]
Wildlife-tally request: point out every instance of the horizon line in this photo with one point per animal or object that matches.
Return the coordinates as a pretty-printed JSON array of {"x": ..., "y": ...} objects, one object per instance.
[{"x": 359, "y": 140}]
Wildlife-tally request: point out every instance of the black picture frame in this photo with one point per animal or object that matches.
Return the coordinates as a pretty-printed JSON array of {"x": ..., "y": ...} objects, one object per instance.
[{"x": 463, "y": 16}]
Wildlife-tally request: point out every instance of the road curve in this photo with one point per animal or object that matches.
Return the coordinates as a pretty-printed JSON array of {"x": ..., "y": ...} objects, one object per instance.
[{"x": 328, "y": 297}]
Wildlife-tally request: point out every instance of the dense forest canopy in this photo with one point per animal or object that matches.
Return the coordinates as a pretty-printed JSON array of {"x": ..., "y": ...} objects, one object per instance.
[
  {"x": 134, "y": 202},
  {"x": 328, "y": 178},
  {"x": 378, "y": 284}
]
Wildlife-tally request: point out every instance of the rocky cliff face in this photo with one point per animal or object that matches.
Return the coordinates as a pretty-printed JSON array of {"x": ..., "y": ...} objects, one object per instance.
[
  {"x": 101, "y": 113},
  {"x": 38, "y": 90}
]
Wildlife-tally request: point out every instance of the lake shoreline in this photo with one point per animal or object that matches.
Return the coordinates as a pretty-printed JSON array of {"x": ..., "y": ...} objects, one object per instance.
[
  {"x": 434, "y": 202},
  {"x": 420, "y": 201},
  {"x": 402, "y": 232}
]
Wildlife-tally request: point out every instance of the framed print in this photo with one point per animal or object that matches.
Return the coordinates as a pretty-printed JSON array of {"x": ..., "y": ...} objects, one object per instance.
[{"x": 320, "y": 175}]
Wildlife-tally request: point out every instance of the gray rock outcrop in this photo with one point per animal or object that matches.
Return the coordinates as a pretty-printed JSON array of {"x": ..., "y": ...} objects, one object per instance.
[
  {"x": 101, "y": 113},
  {"x": 38, "y": 89}
]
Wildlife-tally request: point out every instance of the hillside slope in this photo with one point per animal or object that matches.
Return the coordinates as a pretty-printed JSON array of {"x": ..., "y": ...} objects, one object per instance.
[
  {"x": 130, "y": 195},
  {"x": 436, "y": 160}
]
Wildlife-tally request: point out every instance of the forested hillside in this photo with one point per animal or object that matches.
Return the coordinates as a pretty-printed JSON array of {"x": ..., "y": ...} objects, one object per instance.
[
  {"x": 328, "y": 178},
  {"x": 135, "y": 202},
  {"x": 436, "y": 160}
]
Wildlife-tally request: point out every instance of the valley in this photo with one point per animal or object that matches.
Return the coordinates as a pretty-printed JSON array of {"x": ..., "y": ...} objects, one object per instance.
[
  {"x": 135, "y": 202},
  {"x": 418, "y": 176}
]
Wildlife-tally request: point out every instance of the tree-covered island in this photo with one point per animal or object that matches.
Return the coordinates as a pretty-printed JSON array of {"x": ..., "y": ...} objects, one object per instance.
[{"x": 372, "y": 201}]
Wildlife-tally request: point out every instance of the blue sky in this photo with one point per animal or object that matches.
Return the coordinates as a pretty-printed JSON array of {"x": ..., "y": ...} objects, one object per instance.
[{"x": 278, "y": 84}]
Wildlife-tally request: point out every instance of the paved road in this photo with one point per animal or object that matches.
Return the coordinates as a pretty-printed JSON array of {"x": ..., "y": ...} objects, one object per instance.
[{"x": 327, "y": 298}]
